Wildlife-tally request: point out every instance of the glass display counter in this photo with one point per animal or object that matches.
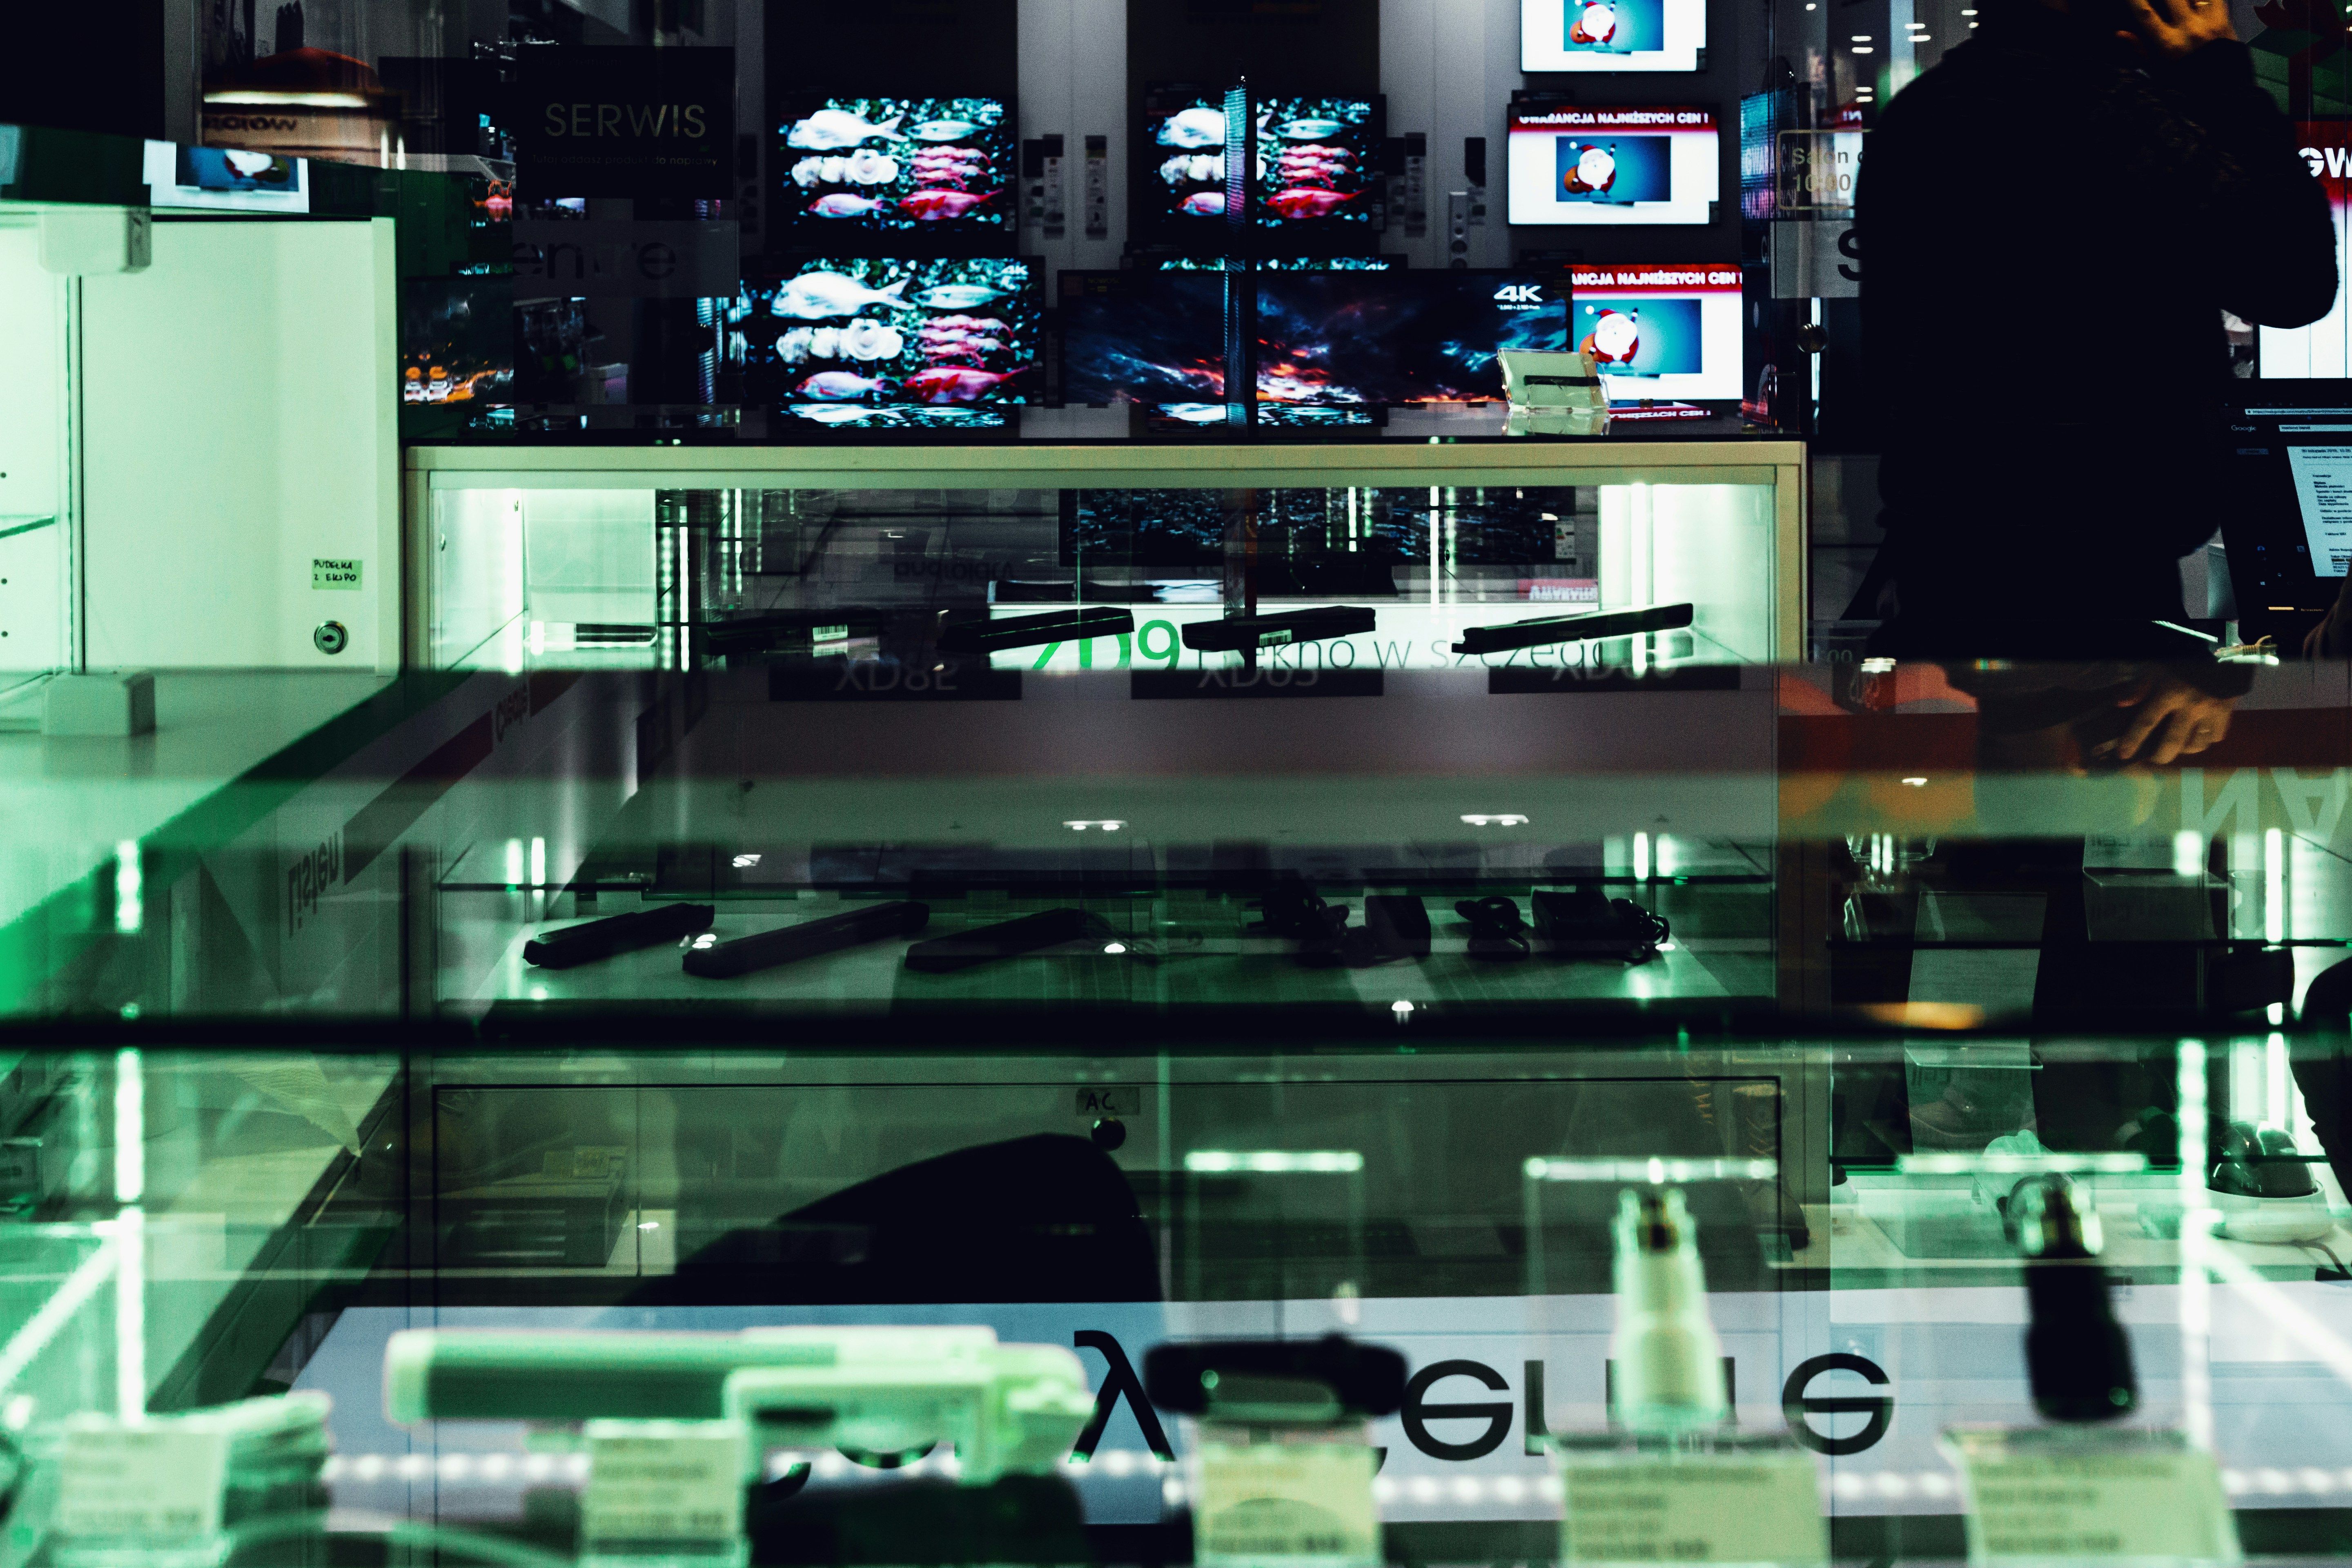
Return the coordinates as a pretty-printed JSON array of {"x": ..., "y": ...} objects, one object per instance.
[
  {"x": 670, "y": 557},
  {"x": 190, "y": 1222}
]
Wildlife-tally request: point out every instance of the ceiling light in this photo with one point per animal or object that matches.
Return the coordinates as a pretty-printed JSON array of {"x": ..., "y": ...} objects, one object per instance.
[
  {"x": 1861, "y": 48},
  {"x": 1917, "y": 784},
  {"x": 745, "y": 862},
  {"x": 1494, "y": 819},
  {"x": 1114, "y": 948},
  {"x": 1861, "y": 38},
  {"x": 1108, "y": 823}
]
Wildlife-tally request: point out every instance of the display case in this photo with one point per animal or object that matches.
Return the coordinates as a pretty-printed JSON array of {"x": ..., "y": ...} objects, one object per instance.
[
  {"x": 193, "y": 1223},
  {"x": 200, "y": 463},
  {"x": 672, "y": 557}
]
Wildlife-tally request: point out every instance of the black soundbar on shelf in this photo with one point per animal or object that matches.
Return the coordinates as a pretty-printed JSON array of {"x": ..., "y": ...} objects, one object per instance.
[
  {"x": 789, "y": 630},
  {"x": 1573, "y": 628},
  {"x": 850, "y": 928},
  {"x": 1029, "y": 631},
  {"x": 1005, "y": 939},
  {"x": 1237, "y": 634},
  {"x": 579, "y": 944}
]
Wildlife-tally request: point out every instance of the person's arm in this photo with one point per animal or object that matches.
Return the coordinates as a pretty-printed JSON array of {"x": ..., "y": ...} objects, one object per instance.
[{"x": 2216, "y": 152}]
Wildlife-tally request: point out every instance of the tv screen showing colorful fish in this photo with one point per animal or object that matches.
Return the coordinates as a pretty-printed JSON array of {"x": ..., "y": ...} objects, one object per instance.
[
  {"x": 870, "y": 332},
  {"x": 896, "y": 165},
  {"x": 1399, "y": 337},
  {"x": 1315, "y": 164},
  {"x": 1181, "y": 190}
]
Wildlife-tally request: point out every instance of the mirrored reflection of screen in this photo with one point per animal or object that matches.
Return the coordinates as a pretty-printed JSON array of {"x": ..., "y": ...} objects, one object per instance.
[{"x": 2323, "y": 490}]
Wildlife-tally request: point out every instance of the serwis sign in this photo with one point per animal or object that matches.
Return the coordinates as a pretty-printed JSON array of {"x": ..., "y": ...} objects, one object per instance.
[{"x": 625, "y": 121}]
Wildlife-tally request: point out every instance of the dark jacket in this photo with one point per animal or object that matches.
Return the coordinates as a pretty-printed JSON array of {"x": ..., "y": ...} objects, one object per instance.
[{"x": 2048, "y": 236}]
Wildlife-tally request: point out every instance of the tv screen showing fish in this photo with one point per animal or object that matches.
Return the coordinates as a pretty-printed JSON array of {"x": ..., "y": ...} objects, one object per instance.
[
  {"x": 1142, "y": 337},
  {"x": 1399, "y": 337},
  {"x": 1181, "y": 190},
  {"x": 916, "y": 167},
  {"x": 872, "y": 332},
  {"x": 1315, "y": 164}
]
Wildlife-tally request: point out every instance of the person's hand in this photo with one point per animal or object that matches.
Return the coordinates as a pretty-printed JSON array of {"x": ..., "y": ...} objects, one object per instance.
[
  {"x": 2171, "y": 719},
  {"x": 2175, "y": 29}
]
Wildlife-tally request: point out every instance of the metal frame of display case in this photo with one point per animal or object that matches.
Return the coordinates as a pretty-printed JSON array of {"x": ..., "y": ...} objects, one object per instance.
[{"x": 1780, "y": 464}]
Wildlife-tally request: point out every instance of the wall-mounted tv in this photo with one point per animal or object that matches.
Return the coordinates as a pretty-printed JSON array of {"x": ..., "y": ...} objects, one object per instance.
[
  {"x": 1315, "y": 164},
  {"x": 914, "y": 166},
  {"x": 1182, "y": 191},
  {"x": 1661, "y": 332},
  {"x": 1567, "y": 164},
  {"x": 1399, "y": 337},
  {"x": 870, "y": 332},
  {"x": 1271, "y": 264},
  {"x": 1143, "y": 337},
  {"x": 1611, "y": 35}
]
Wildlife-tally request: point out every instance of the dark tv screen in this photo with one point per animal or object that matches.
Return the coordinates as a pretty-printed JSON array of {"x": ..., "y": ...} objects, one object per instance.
[
  {"x": 1143, "y": 337},
  {"x": 1399, "y": 337}
]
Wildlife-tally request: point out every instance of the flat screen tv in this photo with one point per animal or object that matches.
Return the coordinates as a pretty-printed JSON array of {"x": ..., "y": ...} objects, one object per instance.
[
  {"x": 876, "y": 332},
  {"x": 1315, "y": 165},
  {"x": 1661, "y": 332},
  {"x": 1611, "y": 35},
  {"x": 906, "y": 166},
  {"x": 1183, "y": 191},
  {"x": 1566, "y": 165},
  {"x": 1143, "y": 337},
  {"x": 1399, "y": 337}
]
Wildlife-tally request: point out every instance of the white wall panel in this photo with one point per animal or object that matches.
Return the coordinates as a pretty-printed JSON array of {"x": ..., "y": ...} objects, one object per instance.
[{"x": 240, "y": 423}]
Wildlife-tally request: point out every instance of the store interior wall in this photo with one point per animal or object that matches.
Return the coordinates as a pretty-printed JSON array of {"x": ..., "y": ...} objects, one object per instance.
[
  {"x": 32, "y": 444},
  {"x": 237, "y": 431}
]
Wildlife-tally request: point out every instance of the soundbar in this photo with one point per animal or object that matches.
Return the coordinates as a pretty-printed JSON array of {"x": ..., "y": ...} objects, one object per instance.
[
  {"x": 850, "y": 928},
  {"x": 790, "y": 629},
  {"x": 1237, "y": 634},
  {"x": 1007, "y": 939},
  {"x": 1029, "y": 631},
  {"x": 1572, "y": 629},
  {"x": 580, "y": 944}
]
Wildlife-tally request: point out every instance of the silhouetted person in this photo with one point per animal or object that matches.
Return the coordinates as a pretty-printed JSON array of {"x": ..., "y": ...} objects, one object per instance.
[{"x": 2051, "y": 221}]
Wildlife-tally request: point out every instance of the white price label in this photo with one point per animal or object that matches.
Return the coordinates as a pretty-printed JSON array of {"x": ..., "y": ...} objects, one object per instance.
[
  {"x": 2134, "y": 1496},
  {"x": 1261, "y": 1500},
  {"x": 141, "y": 1482},
  {"x": 663, "y": 1480},
  {"x": 1692, "y": 1507}
]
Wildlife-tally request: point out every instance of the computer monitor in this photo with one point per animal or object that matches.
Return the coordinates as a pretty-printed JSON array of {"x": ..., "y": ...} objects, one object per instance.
[
  {"x": 1611, "y": 35},
  {"x": 1569, "y": 164},
  {"x": 2288, "y": 530},
  {"x": 1661, "y": 331}
]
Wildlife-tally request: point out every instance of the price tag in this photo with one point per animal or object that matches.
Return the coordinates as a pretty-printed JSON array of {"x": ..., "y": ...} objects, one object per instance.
[
  {"x": 655, "y": 1481},
  {"x": 141, "y": 1482},
  {"x": 2074, "y": 1496},
  {"x": 1262, "y": 1500},
  {"x": 1757, "y": 1506}
]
